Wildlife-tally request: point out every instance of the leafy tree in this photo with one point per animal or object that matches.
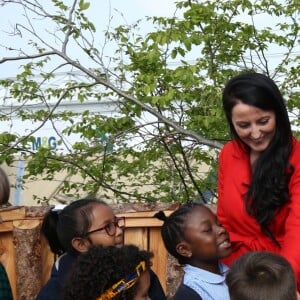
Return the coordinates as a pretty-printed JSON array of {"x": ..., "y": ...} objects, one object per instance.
[{"x": 166, "y": 86}]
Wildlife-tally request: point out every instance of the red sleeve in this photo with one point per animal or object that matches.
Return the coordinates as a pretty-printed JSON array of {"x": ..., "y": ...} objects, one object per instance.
[{"x": 291, "y": 242}]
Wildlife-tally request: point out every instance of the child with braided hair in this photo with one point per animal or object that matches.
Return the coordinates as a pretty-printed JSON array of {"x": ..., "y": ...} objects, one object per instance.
[
  {"x": 110, "y": 273},
  {"x": 195, "y": 237}
]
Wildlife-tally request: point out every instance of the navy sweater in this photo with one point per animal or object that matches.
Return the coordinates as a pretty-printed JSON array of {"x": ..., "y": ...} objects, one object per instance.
[{"x": 54, "y": 287}]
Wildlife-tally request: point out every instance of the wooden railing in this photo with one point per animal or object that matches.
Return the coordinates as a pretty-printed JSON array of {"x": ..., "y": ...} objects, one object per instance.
[{"x": 28, "y": 260}]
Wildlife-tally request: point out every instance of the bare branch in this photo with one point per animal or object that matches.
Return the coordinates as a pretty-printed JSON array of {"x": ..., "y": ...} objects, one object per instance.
[{"x": 25, "y": 57}]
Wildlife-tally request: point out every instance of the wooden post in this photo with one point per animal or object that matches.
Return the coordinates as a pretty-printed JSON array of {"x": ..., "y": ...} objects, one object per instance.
[{"x": 27, "y": 243}]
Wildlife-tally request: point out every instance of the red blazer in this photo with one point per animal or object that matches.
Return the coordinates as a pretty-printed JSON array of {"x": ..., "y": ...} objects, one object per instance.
[{"x": 245, "y": 233}]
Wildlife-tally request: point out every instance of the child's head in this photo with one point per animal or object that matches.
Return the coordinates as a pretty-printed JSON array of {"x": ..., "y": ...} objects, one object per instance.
[
  {"x": 4, "y": 188},
  {"x": 193, "y": 235},
  {"x": 82, "y": 223},
  {"x": 105, "y": 273},
  {"x": 261, "y": 275}
]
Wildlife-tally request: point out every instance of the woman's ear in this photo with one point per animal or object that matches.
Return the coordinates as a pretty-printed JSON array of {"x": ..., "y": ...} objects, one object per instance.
[
  {"x": 183, "y": 248},
  {"x": 80, "y": 244}
]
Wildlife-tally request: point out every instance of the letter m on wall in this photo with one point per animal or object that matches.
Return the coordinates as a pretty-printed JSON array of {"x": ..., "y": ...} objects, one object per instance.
[{"x": 36, "y": 143}]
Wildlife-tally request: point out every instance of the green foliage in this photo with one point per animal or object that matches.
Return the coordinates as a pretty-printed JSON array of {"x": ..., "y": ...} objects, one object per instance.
[{"x": 175, "y": 74}]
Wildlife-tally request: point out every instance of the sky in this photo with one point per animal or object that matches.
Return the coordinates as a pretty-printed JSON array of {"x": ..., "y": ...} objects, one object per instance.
[{"x": 100, "y": 12}]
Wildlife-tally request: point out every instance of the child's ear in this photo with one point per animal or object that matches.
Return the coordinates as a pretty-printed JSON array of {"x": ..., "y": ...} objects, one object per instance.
[
  {"x": 80, "y": 244},
  {"x": 183, "y": 248}
]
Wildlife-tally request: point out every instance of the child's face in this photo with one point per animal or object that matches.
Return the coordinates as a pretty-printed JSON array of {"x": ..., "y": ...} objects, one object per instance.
[
  {"x": 143, "y": 287},
  {"x": 103, "y": 215},
  {"x": 207, "y": 240}
]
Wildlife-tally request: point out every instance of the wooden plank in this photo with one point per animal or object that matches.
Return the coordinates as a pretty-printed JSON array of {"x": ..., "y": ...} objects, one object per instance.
[
  {"x": 7, "y": 257},
  {"x": 142, "y": 222},
  {"x": 142, "y": 219},
  {"x": 159, "y": 266},
  {"x": 12, "y": 213},
  {"x": 48, "y": 258},
  {"x": 6, "y": 226},
  {"x": 136, "y": 236},
  {"x": 143, "y": 214}
]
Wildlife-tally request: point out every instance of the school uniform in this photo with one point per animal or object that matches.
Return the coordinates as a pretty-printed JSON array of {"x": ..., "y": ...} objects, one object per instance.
[
  {"x": 185, "y": 292},
  {"x": 5, "y": 289},
  {"x": 53, "y": 290},
  {"x": 199, "y": 284}
]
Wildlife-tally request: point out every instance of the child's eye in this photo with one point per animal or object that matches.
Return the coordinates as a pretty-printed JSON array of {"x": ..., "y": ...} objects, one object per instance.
[{"x": 208, "y": 229}]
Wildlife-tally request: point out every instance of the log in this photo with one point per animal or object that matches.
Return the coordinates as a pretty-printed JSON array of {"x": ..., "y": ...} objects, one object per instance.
[{"x": 27, "y": 242}]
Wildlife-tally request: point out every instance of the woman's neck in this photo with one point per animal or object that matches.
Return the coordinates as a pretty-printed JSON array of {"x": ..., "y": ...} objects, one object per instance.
[{"x": 254, "y": 155}]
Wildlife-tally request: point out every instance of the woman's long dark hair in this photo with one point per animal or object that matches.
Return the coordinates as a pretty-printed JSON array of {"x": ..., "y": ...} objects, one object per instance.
[{"x": 268, "y": 189}]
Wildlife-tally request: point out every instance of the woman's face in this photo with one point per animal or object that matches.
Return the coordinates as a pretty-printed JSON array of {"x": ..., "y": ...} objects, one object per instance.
[{"x": 254, "y": 126}]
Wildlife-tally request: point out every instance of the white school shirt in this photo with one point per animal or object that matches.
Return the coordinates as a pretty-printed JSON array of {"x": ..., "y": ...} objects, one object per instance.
[{"x": 208, "y": 285}]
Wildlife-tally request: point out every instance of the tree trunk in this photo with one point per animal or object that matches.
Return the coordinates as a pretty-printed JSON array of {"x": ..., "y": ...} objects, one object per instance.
[{"x": 27, "y": 243}]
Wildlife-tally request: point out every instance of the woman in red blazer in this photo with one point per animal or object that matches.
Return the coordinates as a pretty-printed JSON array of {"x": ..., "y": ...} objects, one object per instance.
[{"x": 259, "y": 171}]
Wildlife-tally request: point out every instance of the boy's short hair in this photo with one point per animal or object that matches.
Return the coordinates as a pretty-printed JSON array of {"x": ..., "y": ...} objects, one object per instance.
[{"x": 261, "y": 275}]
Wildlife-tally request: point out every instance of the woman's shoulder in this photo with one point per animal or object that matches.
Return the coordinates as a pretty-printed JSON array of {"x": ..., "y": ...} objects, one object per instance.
[
  {"x": 295, "y": 155},
  {"x": 235, "y": 149},
  {"x": 296, "y": 144}
]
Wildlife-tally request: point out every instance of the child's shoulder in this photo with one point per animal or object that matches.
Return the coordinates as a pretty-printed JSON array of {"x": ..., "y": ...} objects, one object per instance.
[{"x": 185, "y": 292}]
